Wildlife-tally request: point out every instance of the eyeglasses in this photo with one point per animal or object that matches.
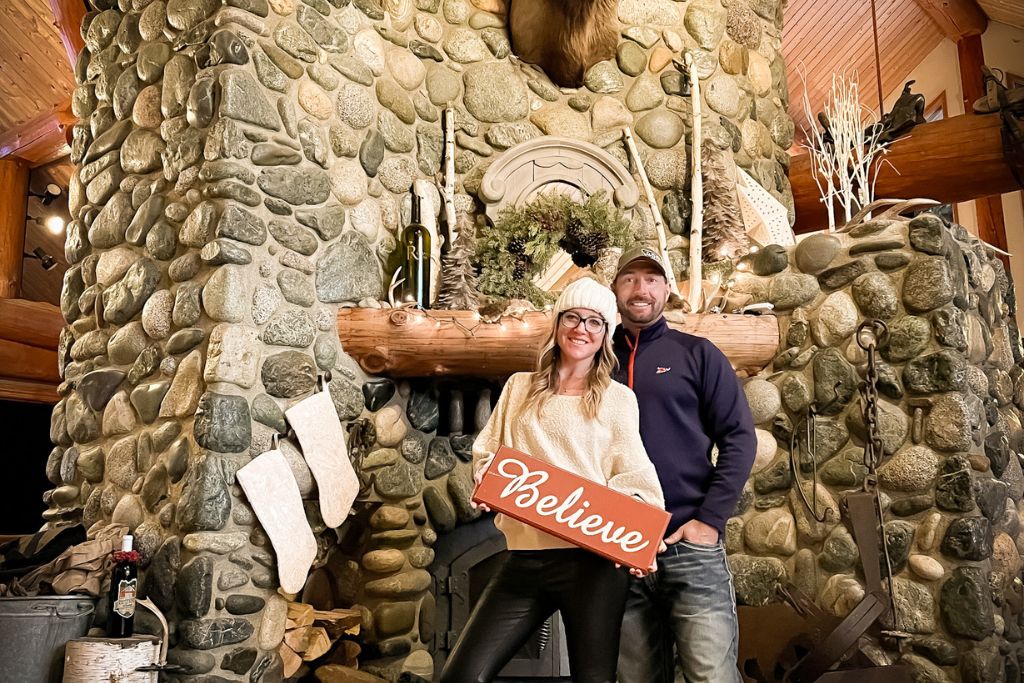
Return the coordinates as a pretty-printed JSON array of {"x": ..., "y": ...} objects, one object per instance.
[{"x": 571, "y": 321}]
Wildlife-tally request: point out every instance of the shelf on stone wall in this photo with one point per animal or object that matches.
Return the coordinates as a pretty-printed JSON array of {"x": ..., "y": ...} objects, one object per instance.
[
  {"x": 29, "y": 332},
  {"x": 412, "y": 343}
]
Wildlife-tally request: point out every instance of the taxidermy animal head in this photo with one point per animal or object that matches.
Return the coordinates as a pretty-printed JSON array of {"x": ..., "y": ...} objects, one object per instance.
[{"x": 564, "y": 37}]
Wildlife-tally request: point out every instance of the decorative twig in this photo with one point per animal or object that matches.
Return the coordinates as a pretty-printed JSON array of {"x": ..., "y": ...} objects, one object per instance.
[
  {"x": 659, "y": 226},
  {"x": 696, "y": 191},
  {"x": 449, "y": 174}
]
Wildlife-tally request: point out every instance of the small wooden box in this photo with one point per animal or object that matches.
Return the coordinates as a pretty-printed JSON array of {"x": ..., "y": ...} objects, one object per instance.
[{"x": 573, "y": 508}]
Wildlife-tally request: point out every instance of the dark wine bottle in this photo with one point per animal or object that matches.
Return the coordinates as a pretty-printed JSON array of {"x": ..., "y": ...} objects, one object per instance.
[
  {"x": 416, "y": 259},
  {"x": 124, "y": 582}
]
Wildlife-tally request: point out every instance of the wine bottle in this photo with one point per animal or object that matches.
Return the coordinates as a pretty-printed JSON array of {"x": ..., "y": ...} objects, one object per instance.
[
  {"x": 123, "y": 587},
  {"x": 416, "y": 259}
]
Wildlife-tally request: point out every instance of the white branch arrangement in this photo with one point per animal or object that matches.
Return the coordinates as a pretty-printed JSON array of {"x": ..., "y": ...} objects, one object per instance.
[{"x": 845, "y": 152}]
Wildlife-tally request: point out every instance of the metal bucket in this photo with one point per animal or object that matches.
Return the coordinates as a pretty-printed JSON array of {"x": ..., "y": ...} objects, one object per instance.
[{"x": 33, "y": 632}]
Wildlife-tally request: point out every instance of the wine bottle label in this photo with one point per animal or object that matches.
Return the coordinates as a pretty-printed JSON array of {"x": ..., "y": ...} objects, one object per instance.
[{"x": 124, "y": 606}]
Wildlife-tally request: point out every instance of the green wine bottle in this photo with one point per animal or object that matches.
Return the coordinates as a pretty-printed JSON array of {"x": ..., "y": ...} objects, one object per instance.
[{"x": 416, "y": 259}]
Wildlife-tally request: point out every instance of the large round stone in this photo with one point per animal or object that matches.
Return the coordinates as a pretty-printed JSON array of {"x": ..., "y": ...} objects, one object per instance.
[
  {"x": 876, "y": 295},
  {"x": 495, "y": 93},
  {"x": 223, "y": 423},
  {"x": 705, "y": 21},
  {"x": 835, "y": 381},
  {"x": 937, "y": 372},
  {"x": 756, "y": 579},
  {"x": 348, "y": 270},
  {"x": 763, "y": 398},
  {"x": 289, "y": 374},
  {"x": 892, "y": 427},
  {"x": 659, "y": 129},
  {"x": 789, "y": 290},
  {"x": 836, "y": 320},
  {"x": 815, "y": 253},
  {"x": 773, "y": 531},
  {"x": 928, "y": 284},
  {"x": 948, "y": 425},
  {"x": 908, "y": 337},
  {"x": 966, "y": 604},
  {"x": 911, "y": 470}
]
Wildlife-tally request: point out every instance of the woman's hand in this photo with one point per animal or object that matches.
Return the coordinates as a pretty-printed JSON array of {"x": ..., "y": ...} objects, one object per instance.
[{"x": 478, "y": 477}]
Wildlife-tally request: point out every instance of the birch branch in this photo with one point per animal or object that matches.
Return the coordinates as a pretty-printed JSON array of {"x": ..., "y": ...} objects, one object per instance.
[
  {"x": 696, "y": 191},
  {"x": 449, "y": 175},
  {"x": 658, "y": 224}
]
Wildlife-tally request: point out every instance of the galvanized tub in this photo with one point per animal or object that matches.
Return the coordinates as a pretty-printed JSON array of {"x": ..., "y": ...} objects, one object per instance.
[{"x": 33, "y": 632}]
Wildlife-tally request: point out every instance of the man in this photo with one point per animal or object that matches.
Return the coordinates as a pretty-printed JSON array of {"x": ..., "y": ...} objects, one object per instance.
[{"x": 690, "y": 402}]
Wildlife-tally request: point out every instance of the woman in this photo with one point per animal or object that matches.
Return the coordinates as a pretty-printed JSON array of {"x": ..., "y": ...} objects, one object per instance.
[{"x": 571, "y": 414}]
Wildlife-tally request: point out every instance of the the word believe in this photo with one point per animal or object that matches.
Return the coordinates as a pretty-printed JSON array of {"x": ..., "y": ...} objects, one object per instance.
[{"x": 524, "y": 490}]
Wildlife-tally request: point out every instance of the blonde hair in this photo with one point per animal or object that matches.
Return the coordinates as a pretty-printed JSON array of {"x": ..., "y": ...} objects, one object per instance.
[{"x": 599, "y": 378}]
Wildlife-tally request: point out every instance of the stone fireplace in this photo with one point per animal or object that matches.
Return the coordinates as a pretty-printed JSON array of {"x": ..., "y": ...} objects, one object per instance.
[{"x": 242, "y": 174}]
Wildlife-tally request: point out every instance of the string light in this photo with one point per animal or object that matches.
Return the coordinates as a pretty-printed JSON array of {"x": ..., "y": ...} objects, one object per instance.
[{"x": 418, "y": 315}]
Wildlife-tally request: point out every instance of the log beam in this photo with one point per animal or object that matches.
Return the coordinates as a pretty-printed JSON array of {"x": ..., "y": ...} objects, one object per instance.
[
  {"x": 952, "y": 160},
  {"x": 34, "y": 323},
  {"x": 957, "y": 19},
  {"x": 27, "y": 391},
  {"x": 989, "y": 210},
  {"x": 41, "y": 140},
  {"x": 13, "y": 204},
  {"x": 67, "y": 17},
  {"x": 409, "y": 343},
  {"x": 21, "y": 361}
]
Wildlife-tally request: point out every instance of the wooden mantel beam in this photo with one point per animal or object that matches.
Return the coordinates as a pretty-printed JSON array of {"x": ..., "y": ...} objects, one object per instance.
[
  {"x": 957, "y": 19},
  {"x": 67, "y": 17},
  {"x": 952, "y": 160},
  {"x": 41, "y": 140},
  {"x": 410, "y": 343}
]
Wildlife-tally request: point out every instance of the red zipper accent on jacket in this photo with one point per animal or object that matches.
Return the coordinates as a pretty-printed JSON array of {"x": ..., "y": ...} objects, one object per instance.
[{"x": 632, "y": 357}]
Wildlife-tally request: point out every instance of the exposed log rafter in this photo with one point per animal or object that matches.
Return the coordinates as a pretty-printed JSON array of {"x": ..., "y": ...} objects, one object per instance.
[
  {"x": 41, "y": 140},
  {"x": 957, "y": 19},
  {"x": 952, "y": 160},
  {"x": 67, "y": 17}
]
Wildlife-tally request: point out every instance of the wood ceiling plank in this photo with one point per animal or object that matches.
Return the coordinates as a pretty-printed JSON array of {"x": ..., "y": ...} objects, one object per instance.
[{"x": 35, "y": 76}]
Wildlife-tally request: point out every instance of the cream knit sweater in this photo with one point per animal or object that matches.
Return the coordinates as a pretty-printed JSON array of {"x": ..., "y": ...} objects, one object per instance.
[{"x": 607, "y": 450}]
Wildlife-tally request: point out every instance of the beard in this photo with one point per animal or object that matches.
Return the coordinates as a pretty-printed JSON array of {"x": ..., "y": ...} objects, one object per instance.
[{"x": 642, "y": 318}]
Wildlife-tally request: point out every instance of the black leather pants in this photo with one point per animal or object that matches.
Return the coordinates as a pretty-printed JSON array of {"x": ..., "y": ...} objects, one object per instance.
[{"x": 588, "y": 590}]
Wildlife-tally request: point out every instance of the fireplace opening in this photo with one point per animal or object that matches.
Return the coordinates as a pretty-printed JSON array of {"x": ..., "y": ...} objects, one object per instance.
[{"x": 464, "y": 561}]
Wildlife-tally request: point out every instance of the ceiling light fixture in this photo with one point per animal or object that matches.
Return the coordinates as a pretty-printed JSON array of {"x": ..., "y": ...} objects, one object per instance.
[
  {"x": 47, "y": 261},
  {"x": 55, "y": 224},
  {"x": 49, "y": 194}
]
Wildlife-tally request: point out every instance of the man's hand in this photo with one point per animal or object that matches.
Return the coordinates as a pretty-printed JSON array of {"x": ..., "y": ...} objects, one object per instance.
[{"x": 694, "y": 531}]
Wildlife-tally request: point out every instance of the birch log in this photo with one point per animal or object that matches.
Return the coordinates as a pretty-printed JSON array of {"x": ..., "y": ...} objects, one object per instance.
[
  {"x": 696, "y": 192},
  {"x": 110, "y": 660},
  {"x": 659, "y": 226},
  {"x": 449, "y": 175}
]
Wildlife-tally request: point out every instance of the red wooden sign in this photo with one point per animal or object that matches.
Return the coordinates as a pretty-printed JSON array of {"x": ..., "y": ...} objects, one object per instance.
[{"x": 573, "y": 508}]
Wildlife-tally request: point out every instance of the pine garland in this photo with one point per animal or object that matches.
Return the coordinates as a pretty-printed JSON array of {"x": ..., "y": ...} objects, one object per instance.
[
  {"x": 525, "y": 238},
  {"x": 458, "y": 274}
]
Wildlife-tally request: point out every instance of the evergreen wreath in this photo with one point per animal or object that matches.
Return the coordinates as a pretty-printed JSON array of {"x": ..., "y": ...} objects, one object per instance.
[{"x": 524, "y": 238}]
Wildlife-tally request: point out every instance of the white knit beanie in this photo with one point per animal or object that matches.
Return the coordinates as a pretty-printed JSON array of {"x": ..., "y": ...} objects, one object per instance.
[{"x": 589, "y": 293}]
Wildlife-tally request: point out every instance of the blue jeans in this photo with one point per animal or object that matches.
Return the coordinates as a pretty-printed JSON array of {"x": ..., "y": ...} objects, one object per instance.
[{"x": 689, "y": 603}]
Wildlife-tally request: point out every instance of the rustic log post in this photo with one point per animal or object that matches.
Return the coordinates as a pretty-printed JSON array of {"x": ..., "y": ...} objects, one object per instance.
[{"x": 13, "y": 204}]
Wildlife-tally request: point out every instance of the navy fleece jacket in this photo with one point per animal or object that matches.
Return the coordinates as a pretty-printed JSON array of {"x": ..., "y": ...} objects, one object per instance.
[{"x": 690, "y": 401}]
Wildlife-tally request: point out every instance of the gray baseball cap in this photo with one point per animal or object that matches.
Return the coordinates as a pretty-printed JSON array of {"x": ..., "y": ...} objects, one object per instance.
[{"x": 641, "y": 253}]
